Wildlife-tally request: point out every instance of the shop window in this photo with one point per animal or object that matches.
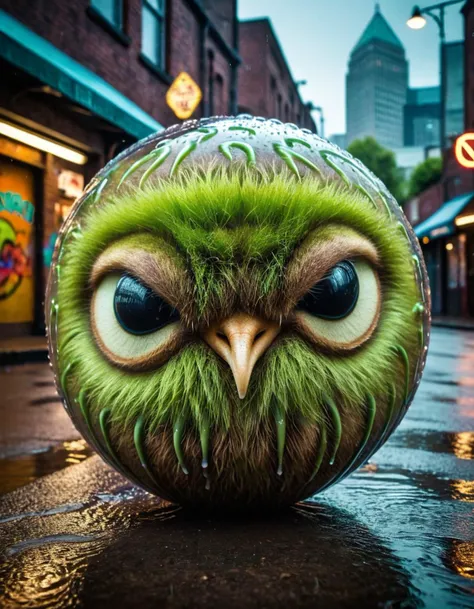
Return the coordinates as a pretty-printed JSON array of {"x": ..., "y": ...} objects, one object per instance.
[
  {"x": 462, "y": 260},
  {"x": 273, "y": 86},
  {"x": 153, "y": 31},
  {"x": 453, "y": 264},
  {"x": 110, "y": 10}
]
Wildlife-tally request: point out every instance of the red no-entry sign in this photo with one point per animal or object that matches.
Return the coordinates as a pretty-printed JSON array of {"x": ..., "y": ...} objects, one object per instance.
[{"x": 464, "y": 150}]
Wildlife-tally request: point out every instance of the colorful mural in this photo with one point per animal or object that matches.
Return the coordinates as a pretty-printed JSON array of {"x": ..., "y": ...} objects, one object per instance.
[
  {"x": 13, "y": 260},
  {"x": 16, "y": 243},
  {"x": 48, "y": 249}
]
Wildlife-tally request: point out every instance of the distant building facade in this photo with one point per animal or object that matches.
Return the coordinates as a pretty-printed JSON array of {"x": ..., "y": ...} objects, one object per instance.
[
  {"x": 422, "y": 117},
  {"x": 266, "y": 86},
  {"x": 376, "y": 85},
  {"x": 91, "y": 76},
  {"x": 454, "y": 58}
]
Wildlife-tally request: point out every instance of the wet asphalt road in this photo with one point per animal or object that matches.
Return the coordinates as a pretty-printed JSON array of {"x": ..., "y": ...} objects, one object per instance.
[{"x": 397, "y": 533}]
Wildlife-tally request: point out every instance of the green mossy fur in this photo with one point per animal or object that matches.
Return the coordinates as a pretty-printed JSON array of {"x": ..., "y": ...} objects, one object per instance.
[{"x": 224, "y": 225}]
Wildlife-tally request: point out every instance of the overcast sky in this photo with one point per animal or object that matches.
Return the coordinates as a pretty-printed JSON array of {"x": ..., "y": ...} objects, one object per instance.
[{"x": 318, "y": 35}]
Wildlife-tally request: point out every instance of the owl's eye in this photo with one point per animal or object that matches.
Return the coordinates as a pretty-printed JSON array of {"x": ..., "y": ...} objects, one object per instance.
[
  {"x": 341, "y": 311},
  {"x": 138, "y": 309},
  {"x": 335, "y": 296},
  {"x": 132, "y": 325}
]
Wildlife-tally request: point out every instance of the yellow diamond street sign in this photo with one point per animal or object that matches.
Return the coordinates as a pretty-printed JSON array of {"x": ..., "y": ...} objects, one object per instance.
[{"x": 183, "y": 96}]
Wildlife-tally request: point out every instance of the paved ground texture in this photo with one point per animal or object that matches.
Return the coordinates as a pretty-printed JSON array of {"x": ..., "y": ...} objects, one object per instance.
[{"x": 399, "y": 533}]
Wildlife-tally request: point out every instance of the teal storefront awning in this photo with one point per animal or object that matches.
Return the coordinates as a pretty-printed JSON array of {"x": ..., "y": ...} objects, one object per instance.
[
  {"x": 33, "y": 54},
  {"x": 441, "y": 223}
]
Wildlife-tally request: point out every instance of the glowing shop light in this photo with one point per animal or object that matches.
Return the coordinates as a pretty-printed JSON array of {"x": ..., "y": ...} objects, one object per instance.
[
  {"x": 41, "y": 143},
  {"x": 464, "y": 220}
]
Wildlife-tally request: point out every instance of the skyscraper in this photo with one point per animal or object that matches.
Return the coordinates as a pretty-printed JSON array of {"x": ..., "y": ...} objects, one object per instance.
[
  {"x": 454, "y": 58},
  {"x": 376, "y": 85},
  {"x": 422, "y": 117}
]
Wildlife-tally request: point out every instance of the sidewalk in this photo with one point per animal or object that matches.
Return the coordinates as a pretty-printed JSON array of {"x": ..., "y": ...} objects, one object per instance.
[{"x": 23, "y": 349}]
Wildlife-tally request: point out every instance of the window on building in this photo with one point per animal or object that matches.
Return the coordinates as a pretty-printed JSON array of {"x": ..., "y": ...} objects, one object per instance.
[
  {"x": 210, "y": 82},
  {"x": 273, "y": 95},
  {"x": 278, "y": 108},
  {"x": 414, "y": 211},
  {"x": 219, "y": 95},
  {"x": 153, "y": 31},
  {"x": 111, "y": 10}
]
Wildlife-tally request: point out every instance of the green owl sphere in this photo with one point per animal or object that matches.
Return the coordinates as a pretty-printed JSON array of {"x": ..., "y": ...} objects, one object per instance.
[{"x": 238, "y": 313}]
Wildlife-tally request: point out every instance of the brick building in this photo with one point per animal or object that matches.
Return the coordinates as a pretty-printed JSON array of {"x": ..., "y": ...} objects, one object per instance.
[
  {"x": 443, "y": 215},
  {"x": 266, "y": 86},
  {"x": 89, "y": 76}
]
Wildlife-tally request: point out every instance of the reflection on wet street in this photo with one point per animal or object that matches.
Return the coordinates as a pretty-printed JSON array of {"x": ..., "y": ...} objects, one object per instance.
[
  {"x": 19, "y": 470},
  {"x": 397, "y": 533}
]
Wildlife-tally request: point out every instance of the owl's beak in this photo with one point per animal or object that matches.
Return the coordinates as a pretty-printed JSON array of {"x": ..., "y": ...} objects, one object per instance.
[{"x": 240, "y": 340}]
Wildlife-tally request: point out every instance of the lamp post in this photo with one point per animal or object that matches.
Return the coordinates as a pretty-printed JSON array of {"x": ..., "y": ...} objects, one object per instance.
[
  {"x": 416, "y": 22},
  {"x": 311, "y": 107}
]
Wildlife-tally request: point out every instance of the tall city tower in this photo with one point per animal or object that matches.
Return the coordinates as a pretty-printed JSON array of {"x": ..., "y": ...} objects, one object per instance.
[{"x": 377, "y": 84}]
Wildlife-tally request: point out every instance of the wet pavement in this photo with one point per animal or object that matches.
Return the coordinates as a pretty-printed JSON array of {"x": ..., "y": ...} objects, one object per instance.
[{"x": 397, "y": 533}]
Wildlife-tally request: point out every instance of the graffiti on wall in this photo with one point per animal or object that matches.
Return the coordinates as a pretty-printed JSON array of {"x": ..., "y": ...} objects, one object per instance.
[
  {"x": 15, "y": 264},
  {"x": 16, "y": 251},
  {"x": 48, "y": 249}
]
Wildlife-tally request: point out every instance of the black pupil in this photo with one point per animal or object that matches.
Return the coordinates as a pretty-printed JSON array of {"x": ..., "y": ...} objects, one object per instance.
[
  {"x": 335, "y": 296},
  {"x": 138, "y": 309}
]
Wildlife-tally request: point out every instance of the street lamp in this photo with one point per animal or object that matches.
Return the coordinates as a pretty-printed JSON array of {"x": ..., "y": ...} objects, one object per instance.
[{"x": 416, "y": 22}]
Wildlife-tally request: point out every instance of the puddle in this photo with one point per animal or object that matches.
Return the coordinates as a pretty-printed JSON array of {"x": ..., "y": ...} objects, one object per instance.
[
  {"x": 398, "y": 533},
  {"x": 460, "y": 444},
  {"x": 171, "y": 557},
  {"x": 44, "y": 541},
  {"x": 48, "y": 576},
  {"x": 61, "y": 509},
  {"x": 18, "y": 471},
  {"x": 460, "y": 558}
]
